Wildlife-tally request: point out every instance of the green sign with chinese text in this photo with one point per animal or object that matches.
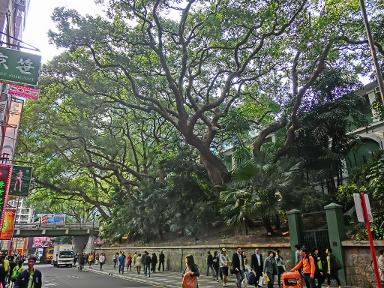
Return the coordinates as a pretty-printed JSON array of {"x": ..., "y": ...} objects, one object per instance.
[{"x": 19, "y": 66}]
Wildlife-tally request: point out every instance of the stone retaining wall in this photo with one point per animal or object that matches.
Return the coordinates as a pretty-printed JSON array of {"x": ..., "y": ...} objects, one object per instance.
[
  {"x": 174, "y": 256},
  {"x": 358, "y": 262}
]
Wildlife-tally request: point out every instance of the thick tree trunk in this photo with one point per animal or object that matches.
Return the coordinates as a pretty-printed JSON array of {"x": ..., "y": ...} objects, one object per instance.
[
  {"x": 268, "y": 225},
  {"x": 217, "y": 172}
]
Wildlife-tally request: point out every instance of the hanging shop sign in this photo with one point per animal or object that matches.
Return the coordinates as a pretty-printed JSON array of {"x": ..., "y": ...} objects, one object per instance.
[
  {"x": 8, "y": 224},
  {"x": 5, "y": 180},
  {"x": 19, "y": 66},
  {"x": 24, "y": 91},
  {"x": 20, "y": 180}
]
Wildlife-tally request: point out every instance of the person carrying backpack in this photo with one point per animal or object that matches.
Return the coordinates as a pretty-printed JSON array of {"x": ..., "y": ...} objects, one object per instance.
[
  {"x": 307, "y": 264},
  {"x": 332, "y": 268},
  {"x": 16, "y": 271}
]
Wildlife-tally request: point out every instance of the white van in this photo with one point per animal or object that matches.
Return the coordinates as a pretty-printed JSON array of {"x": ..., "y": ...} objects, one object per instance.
[{"x": 63, "y": 255}]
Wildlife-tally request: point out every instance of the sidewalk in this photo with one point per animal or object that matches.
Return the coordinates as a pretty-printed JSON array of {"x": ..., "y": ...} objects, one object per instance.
[{"x": 164, "y": 279}]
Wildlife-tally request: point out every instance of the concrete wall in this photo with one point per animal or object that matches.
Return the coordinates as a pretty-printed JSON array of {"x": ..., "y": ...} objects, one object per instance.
[
  {"x": 358, "y": 262},
  {"x": 174, "y": 256}
]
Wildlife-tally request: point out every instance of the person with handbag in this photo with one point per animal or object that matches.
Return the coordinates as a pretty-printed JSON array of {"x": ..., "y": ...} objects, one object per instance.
[
  {"x": 191, "y": 272},
  {"x": 270, "y": 268}
]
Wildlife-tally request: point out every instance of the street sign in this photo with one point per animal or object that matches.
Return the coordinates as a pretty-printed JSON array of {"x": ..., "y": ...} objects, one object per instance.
[
  {"x": 25, "y": 91},
  {"x": 8, "y": 224},
  {"x": 19, "y": 66},
  {"x": 21, "y": 180},
  {"x": 359, "y": 207}
]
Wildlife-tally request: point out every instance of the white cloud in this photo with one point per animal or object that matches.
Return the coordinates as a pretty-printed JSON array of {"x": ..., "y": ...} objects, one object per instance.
[{"x": 39, "y": 22}]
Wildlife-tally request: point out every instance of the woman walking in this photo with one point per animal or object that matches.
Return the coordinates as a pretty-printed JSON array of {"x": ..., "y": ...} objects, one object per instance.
[
  {"x": 191, "y": 272},
  {"x": 332, "y": 268}
]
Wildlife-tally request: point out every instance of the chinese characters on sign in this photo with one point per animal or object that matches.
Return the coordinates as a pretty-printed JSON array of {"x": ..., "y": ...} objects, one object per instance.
[
  {"x": 21, "y": 90},
  {"x": 8, "y": 224},
  {"x": 5, "y": 178},
  {"x": 18, "y": 66}
]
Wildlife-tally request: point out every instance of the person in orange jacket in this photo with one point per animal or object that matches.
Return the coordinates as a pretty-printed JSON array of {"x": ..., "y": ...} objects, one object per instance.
[{"x": 307, "y": 264}]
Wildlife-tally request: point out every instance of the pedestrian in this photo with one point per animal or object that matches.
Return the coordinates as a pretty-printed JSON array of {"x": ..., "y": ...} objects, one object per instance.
[
  {"x": 97, "y": 258},
  {"x": 307, "y": 264},
  {"x": 223, "y": 263},
  {"x": 191, "y": 272},
  {"x": 12, "y": 264},
  {"x": 161, "y": 260},
  {"x": 238, "y": 266},
  {"x": 134, "y": 259},
  {"x": 115, "y": 258},
  {"x": 319, "y": 273},
  {"x": 101, "y": 260},
  {"x": 297, "y": 253},
  {"x": 16, "y": 271},
  {"x": 147, "y": 264},
  {"x": 30, "y": 277},
  {"x": 129, "y": 262},
  {"x": 75, "y": 259},
  {"x": 209, "y": 263},
  {"x": 381, "y": 264},
  {"x": 154, "y": 262},
  {"x": 257, "y": 265},
  {"x": 81, "y": 261},
  {"x": 91, "y": 258},
  {"x": 138, "y": 264},
  {"x": 270, "y": 268},
  {"x": 280, "y": 267},
  {"x": 6, "y": 268},
  {"x": 332, "y": 267},
  {"x": 216, "y": 266},
  {"x": 3, "y": 274},
  {"x": 121, "y": 261}
]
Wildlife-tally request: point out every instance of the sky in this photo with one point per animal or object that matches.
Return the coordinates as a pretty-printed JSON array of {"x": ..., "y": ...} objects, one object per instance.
[{"x": 39, "y": 22}]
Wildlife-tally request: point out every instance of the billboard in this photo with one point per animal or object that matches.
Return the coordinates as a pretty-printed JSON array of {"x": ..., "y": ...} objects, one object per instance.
[
  {"x": 8, "y": 224},
  {"x": 52, "y": 219},
  {"x": 19, "y": 66},
  {"x": 39, "y": 242},
  {"x": 20, "y": 180},
  {"x": 5, "y": 179}
]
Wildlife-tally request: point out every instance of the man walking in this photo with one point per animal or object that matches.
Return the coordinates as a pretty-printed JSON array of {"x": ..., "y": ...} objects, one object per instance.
[
  {"x": 257, "y": 264},
  {"x": 223, "y": 263},
  {"x": 147, "y": 264},
  {"x": 30, "y": 277},
  {"x": 238, "y": 266},
  {"x": 121, "y": 263},
  {"x": 319, "y": 273},
  {"x": 161, "y": 260},
  {"x": 307, "y": 264},
  {"x": 210, "y": 263}
]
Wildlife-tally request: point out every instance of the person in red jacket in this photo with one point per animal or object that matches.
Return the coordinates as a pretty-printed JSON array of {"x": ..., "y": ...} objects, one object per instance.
[{"x": 307, "y": 264}]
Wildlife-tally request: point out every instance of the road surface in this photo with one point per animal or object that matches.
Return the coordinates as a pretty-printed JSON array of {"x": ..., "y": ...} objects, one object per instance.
[{"x": 71, "y": 278}]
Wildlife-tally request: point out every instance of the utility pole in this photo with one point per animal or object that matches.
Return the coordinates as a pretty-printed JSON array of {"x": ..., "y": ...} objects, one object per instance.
[{"x": 373, "y": 49}]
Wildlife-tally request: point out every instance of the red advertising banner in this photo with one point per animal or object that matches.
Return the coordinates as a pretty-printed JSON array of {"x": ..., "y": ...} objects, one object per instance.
[
  {"x": 5, "y": 181},
  {"x": 24, "y": 91},
  {"x": 8, "y": 224}
]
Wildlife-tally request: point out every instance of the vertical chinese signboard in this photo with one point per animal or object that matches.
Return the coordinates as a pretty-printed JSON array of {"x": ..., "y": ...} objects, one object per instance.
[
  {"x": 8, "y": 224},
  {"x": 18, "y": 66},
  {"x": 5, "y": 179}
]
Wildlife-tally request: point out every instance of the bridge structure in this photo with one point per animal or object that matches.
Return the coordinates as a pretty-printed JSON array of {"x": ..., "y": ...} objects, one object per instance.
[
  {"x": 82, "y": 234},
  {"x": 53, "y": 230}
]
